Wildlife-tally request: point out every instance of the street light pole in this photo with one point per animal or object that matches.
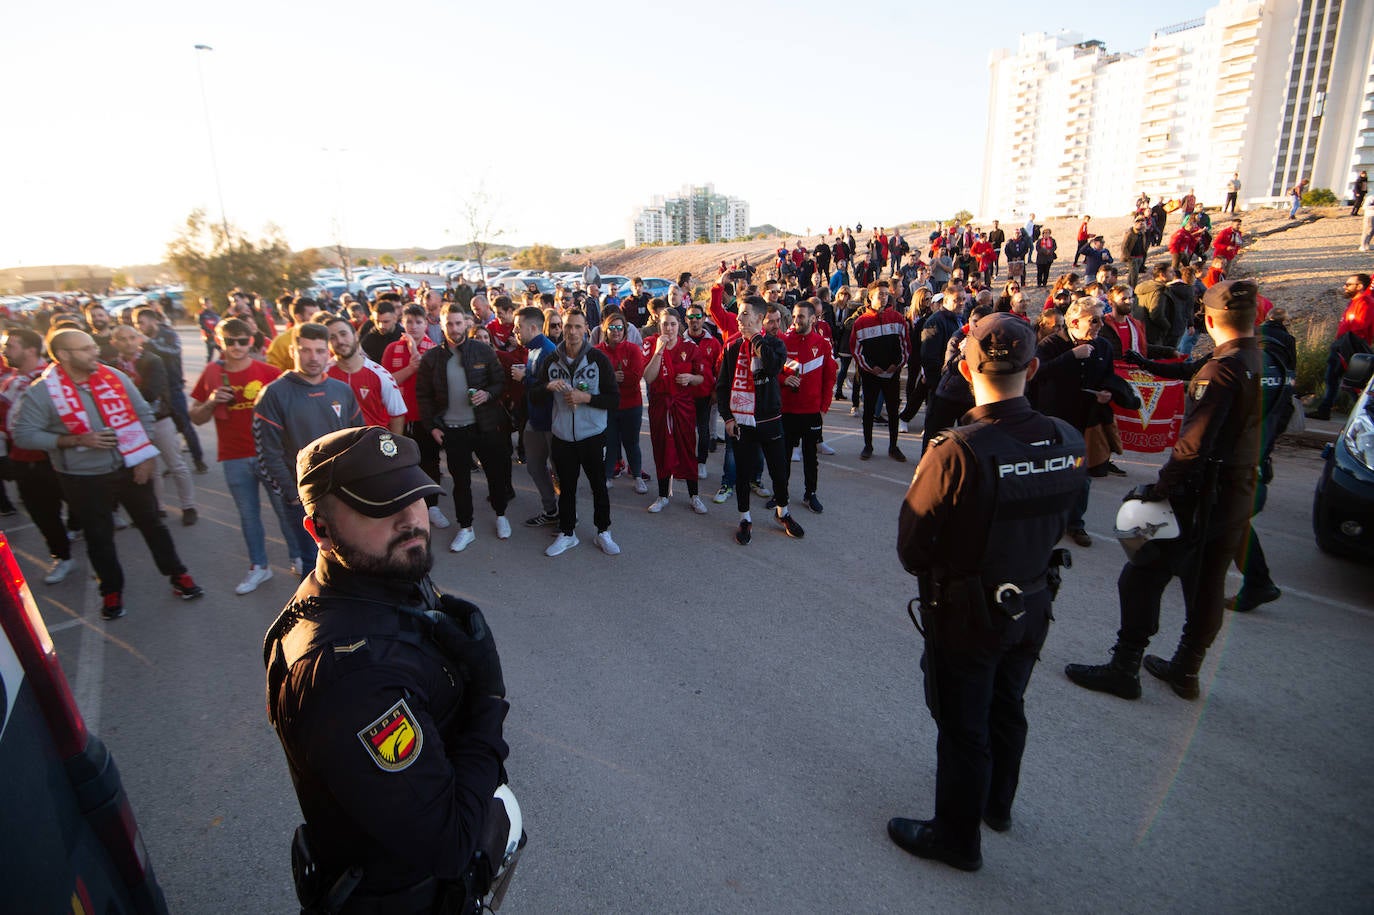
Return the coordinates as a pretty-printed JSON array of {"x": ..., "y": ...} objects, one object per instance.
[{"x": 214, "y": 160}]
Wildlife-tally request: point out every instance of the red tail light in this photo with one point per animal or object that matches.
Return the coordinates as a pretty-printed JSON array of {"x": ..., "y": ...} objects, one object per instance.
[{"x": 34, "y": 647}]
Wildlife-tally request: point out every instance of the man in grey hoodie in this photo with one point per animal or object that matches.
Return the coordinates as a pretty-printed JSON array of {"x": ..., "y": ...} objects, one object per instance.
[
  {"x": 580, "y": 383},
  {"x": 292, "y": 411}
]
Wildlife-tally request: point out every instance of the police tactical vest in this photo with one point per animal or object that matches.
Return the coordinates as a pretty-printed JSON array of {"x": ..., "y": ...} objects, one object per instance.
[{"x": 1033, "y": 487}]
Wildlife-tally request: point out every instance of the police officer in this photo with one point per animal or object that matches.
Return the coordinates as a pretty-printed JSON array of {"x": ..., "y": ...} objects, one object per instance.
[
  {"x": 987, "y": 504},
  {"x": 1209, "y": 481},
  {"x": 387, "y": 697}
]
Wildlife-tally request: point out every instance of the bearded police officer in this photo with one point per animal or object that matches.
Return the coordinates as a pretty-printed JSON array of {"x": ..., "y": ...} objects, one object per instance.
[
  {"x": 387, "y": 697},
  {"x": 989, "y": 501},
  {"x": 1202, "y": 502}
]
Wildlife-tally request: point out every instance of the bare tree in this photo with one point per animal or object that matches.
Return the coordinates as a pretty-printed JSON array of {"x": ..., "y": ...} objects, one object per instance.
[{"x": 479, "y": 221}]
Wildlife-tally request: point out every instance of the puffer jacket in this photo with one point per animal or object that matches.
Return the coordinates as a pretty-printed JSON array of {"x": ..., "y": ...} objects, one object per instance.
[{"x": 484, "y": 373}]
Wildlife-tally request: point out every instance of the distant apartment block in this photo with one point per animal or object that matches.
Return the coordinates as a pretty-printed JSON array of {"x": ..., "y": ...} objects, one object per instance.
[
  {"x": 696, "y": 212},
  {"x": 1274, "y": 90}
]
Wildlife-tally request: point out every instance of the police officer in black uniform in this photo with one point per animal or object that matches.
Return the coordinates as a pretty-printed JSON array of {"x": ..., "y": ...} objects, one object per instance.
[
  {"x": 978, "y": 528},
  {"x": 1209, "y": 480},
  {"x": 387, "y": 697}
]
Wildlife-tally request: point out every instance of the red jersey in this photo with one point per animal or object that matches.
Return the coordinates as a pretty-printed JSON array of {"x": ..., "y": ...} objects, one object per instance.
[
  {"x": 810, "y": 358},
  {"x": 1227, "y": 244},
  {"x": 710, "y": 349},
  {"x": 627, "y": 358},
  {"x": 377, "y": 392},
  {"x": 514, "y": 394},
  {"x": 1359, "y": 318},
  {"x": 1130, "y": 331},
  {"x": 501, "y": 335},
  {"x": 395, "y": 357},
  {"x": 234, "y": 420}
]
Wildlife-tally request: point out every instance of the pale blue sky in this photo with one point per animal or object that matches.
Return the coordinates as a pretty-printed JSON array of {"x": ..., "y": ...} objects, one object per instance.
[{"x": 570, "y": 114}]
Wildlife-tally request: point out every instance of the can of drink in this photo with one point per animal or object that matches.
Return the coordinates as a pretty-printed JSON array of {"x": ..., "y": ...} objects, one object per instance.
[{"x": 472, "y": 394}]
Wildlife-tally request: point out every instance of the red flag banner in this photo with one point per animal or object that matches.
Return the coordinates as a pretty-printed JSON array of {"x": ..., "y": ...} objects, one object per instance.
[{"x": 1154, "y": 427}]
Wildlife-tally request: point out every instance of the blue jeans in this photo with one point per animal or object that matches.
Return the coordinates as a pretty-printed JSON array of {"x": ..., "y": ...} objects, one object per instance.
[
  {"x": 240, "y": 474},
  {"x": 1293, "y": 213},
  {"x": 622, "y": 436}
]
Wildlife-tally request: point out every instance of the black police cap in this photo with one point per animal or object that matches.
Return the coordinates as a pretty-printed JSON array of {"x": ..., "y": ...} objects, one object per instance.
[
  {"x": 373, "y": 471},
  {"x": 1000, "y": 344},
  {"x": 1232, "y": 295}
]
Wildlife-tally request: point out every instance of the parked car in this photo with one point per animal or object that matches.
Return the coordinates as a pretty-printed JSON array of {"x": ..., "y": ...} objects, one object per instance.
[
  {"x": 70, "y": 842},
  {"x": 516, "y": 286},
  {"x": 656, "y": 285},
  {"x": 1343, "y": 508}
]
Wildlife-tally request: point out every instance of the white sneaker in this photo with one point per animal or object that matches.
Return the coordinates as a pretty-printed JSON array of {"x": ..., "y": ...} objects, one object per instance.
[
  {"x": 463, "y": 540},
  {"x": 796, "y": 455},
  {"x": 641, "y": 487},
  {"x": 698, "y": 506},
  {"x": 701, "y": 472},
  {"x": 120, "y": 522},
  {"x": 502, "y": 528},
  {"x": 824, "y": 448},
  {"x": 607, "y": 545},
  {"x": 560, "y": 546},
  {"x": 901, "y": 427},
  {"x": 298, "y": 566},
  {"x": 437, "y": 518},
  {"x": 256, "y": 576},
  {"x": 61, "y": 568},
  {"x": 659, "y": 504},
  {"x": 853, "y": 411}
]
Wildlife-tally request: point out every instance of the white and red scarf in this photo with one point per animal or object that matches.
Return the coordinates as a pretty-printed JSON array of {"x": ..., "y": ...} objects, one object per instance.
[
  {"x": 742, "y": 397},
  {"x": 116, "y": 410}
]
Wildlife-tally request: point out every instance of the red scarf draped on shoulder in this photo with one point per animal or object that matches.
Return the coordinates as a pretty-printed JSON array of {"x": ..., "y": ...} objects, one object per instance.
[
  {"x": 742, "y": 397},
  {"x": 116, "y": 410}
]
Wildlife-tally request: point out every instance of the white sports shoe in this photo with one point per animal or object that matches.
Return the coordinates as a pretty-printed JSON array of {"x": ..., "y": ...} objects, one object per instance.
[
  {"x": 256, "y": 576},
  {"x": 659, "y": 504},
  {"x": 701, "y": 472},
  {"x": 641, "y": 487},
  {"x": 61, "y": 568},
  {"x": 824, "y": 448},
  {"x": 560, "y": 546},
  {"x": 796, "y": 455},
  {"x": 437, "y": 518},
  {"x": 502, "y": 528},
  {"x": 698, "y": 506},
  {"x": 298, "y": 566},
  {"x": 901, "y": 427},
  {"x": 463, "y": 540},
  {"x": 607, "y": 545}
]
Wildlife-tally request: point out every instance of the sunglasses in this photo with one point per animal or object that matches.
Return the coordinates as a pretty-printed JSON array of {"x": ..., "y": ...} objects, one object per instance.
[
  {"x": 238, "y": 341},
  {"x": 697, "y": 317},
  {"x": 620, "y": 327}
]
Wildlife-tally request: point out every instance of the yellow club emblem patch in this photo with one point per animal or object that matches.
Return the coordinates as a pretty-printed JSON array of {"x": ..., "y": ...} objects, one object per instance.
[{"x": 393, "y": 740}]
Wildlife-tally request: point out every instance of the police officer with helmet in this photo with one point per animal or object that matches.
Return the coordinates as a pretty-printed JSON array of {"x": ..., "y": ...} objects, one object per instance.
[
  {"x": 984, "y": 511},
  {"x": 388, "y": 699},
  {"x": 1195, "y": 518}
]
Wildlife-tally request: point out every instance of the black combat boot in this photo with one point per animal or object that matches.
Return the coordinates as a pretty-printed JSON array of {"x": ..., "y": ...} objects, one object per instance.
[
  {"x": 1181, "y": 672},
  {"x": 1120, "y": 676}
]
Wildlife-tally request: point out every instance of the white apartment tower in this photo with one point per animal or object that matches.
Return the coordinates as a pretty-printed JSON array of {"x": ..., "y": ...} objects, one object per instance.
[
  {"x": 1272, "y": 89},
  {"x": 696, "y": 212}
]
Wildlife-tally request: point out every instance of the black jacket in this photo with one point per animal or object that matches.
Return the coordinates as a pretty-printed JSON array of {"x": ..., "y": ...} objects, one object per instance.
[
  {"x": 1064, "y": 386},
  {"x": 483, "y": 371},
  {"x": 771, "y": 353}
]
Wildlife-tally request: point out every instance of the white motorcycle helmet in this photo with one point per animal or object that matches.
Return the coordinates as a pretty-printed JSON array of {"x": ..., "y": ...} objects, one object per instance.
[
  {"x": 1139, "y": 523},
  {"x": 514, "y": 839}
]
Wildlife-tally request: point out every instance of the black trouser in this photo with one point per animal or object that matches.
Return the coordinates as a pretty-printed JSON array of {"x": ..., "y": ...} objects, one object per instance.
[
  {"x": 703, "y": 405},
  {"x": 891, "y": 389},
  {"x": 768, "y": 437},
  {"x": 429, "y": 454},
  {"x": 41, "y": 494},
  {"x": 1254, "y": 568},
  {"x": 916, "y": 391},
  {"x": 97, "y": 496},
  {"x": 804, "y": 429},
  {"x": 1042, "y": 272},
  {"x": 493, "y": 450},
  {"x": 979, "y": 680},
  {"x": 1230, "y": 205},
  {"x": 841, "y": 375},
  {"x": 588, "y": 456},
  {"x": 1201, "y": 570},
  {"x": 1359, "y": 202}
]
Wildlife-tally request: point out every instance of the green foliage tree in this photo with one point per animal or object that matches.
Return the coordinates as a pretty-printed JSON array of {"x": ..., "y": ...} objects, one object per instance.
[
  {"x": 211, "y": 258},
  {"x": 540, "y": 257},
  {"x": 386, "y": 260},
  {"x": 962, "y": 217},
  {"x": 364, "y": 262},
  {"x": 1320, "y": 197}
]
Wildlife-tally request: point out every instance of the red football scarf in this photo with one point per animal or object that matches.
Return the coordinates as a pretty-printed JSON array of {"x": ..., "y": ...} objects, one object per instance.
[
  {"x": 116, "y": 410},
  {"x": 742, "y": 386}
]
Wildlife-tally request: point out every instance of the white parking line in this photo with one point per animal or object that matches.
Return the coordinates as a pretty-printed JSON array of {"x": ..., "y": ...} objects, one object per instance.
[{"x": 90, "y": 675}]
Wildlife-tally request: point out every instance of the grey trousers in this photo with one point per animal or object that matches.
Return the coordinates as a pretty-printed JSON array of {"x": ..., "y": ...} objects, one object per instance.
[{"x": 538, "y": 443}]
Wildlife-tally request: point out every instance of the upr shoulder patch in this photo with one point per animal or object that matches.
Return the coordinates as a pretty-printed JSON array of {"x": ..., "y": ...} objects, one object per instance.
[
  {"x": 1200, "y": 389},
  {"x": 393, "y": 740}
]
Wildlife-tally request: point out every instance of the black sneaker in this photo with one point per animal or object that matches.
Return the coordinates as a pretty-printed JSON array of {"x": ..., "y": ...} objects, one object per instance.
[
  {"x": 1115, "y": 470},
  {"x": 112, "y": 606},
  {"x": 790, "y": 526},
  {"x": 541, "y": 519},
  {"x": 811, "y": 502},
  {"x": 867, "y": 453},
  {"x": 201, "y": 468},
  {"x": 1248, "y": 598},
  {"x": 896, "y": 454},
  {"x": 771, "y": 503},
  {"x": 745, "y": 533},
  {"x": 188, "y": 517},
  {"x": 185, "y": 588}
]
